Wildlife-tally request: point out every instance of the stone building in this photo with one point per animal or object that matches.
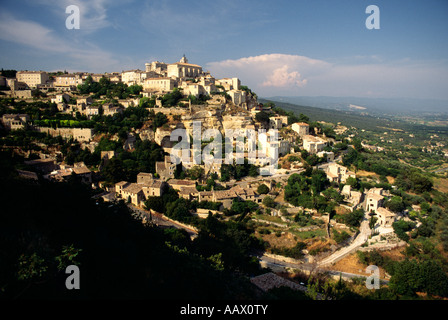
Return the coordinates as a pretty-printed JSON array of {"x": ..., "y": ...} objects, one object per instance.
[
  {"x": 32, "y": 78},
  {"x": 372, "y": 202},
  {"x": 183, "y": 69},
  {"x": 138, "y": 193},
  {"x": 302, "y": 128},
  {"x": 178, "y": 184},
  {"x": 313, "y": 144},
  {"x": 15, "y": 121},
  {"x": 238, "y": 97},
  {"x": 229, "y": 83},
  {"x": 80, "y": 134},
  {"x": 165, "y": 169},
  {"x": 145, "y": 178},
  {"x": 131, "y": 77},
  {"x": 67, "y": 82},
  {"x": 337, "y": 173},
  {"x": 385, "y": 217},
  {"x": 159, "y": 84}
]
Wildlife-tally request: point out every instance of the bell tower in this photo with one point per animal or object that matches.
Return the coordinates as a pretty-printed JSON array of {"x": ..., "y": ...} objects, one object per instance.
[{"x": 184, "y": 59}]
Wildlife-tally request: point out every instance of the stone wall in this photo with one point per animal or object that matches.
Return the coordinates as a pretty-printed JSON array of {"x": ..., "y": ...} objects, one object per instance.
[{"x": 80, "y": 134}]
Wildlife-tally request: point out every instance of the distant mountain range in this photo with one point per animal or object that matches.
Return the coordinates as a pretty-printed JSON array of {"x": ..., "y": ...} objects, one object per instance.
[{"x": 372, "y": 106}]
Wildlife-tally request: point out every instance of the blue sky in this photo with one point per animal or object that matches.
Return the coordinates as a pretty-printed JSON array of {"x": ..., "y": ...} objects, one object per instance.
[{"x": 308, "y": 48}]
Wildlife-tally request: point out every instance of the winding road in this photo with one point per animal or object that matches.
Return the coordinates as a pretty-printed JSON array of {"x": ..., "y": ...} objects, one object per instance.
[{"x": 361, "y": 238}]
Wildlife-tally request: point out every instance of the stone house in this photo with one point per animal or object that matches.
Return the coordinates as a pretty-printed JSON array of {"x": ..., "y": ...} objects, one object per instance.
[
  {"x": 329, "y": 155},
  {"x": 154, "y": 189},
  {"x": 67, "y": 82},
  {"x": 130, "y": 192},
  {"x": 190, "y": 193},
  {"x": 301, "y": 128},
  {"x": 313, "y": 144},
  {"x": 385, "y": 217},
  {"x": 15, "y": 121},
  {"x": 65, "y": 172},
  {"x": 145, "y": 178},
  {"x": 33, "y": 79},
  {"x": 61, "y": 98},
  {"x": 337, "y": 173},
  {"x": 137, "y": 193},
  {"x": 372, "y": 202},
  {"x": 165, "y": 169},
  {"x": 351, "y": 196},
  {"x": 159, "y": 84}
]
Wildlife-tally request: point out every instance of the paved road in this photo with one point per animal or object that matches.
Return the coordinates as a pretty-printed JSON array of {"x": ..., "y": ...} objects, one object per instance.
[
  {"x": 361, "y": 238},
  {"x": 280, "y": 266}
]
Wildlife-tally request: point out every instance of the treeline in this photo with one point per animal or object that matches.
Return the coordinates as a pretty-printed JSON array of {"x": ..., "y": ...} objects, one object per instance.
[
  {"x": 104, "y": 87},
  {"x": 407, "y": 178},
  {"x": 122, "y": 122},
  {"x": 419, "y": 272},
  {"x": 304, "y": 190},
  {"x": 36, "y": 109},
  {"x": 57, "y": 123},
  {"x": 124, "y": 166},
  {"x": 238, "y": 171}
]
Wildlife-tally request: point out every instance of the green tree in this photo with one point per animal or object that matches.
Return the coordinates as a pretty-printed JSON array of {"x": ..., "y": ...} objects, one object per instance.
[
  {"x": 395, "y": 204},
  {"x": 262, "y": 117},
  {"x": 354, "y": 218},
  {"x": 401, "y": 227},
  {"x": 262, "y": 189},
  {"x": 159, "y": 120},
  {"x": 268, "y": 202}
]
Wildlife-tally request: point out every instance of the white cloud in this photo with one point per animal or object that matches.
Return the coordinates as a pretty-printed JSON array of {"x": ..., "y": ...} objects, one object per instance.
[
  {"x": 279, "y": 71},
  {"x": 280, "y": 77},
  {"x": 282, "y": 74},
  {"x": 82, "y": 55}
]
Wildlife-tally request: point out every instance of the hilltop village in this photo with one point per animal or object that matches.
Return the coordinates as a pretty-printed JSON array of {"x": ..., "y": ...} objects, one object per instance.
[
  {"x": 112, "y": 132},
  {"x": 220, "y": 104}
]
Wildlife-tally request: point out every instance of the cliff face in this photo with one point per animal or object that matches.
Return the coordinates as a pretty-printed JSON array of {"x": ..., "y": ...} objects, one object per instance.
[
  {"x": 220, "y": 116},
  {"x": 240, "y": 121},
  {"x": 251, "y": 101}
]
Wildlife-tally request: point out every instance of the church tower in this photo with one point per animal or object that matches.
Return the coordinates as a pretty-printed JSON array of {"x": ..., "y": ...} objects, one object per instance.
[{"x": 184, "y": 59}]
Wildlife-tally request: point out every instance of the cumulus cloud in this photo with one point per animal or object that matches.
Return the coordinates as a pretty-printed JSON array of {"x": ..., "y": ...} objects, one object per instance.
[
  {"x": 279, "y": 71},
  {"x": 280, "y": 77},
  {"x": 282, "y": 74}
]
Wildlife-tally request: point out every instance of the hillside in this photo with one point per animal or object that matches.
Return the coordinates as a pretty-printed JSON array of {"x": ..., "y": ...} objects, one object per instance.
[
  {"x": 373, "y": 106},
  {"x": 358, "y": 120}
]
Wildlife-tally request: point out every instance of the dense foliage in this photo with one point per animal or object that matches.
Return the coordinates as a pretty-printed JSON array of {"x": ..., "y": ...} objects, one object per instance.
[{"x": 118, "y": 257}]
